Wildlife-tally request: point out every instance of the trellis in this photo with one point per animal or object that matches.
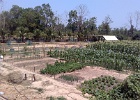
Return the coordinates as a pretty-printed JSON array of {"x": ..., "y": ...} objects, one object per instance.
[{"x": 22, "y": 51}]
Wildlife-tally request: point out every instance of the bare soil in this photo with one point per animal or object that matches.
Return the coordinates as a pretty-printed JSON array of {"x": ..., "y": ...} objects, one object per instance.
[{"x": 39, "y": 89}]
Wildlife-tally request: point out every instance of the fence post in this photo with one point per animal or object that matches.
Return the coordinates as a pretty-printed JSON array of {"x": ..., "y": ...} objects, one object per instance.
[
  {"x": 33, "y": 78},
  {"x": 25, "y": 76},
  {"x": 34, "y": 69}
]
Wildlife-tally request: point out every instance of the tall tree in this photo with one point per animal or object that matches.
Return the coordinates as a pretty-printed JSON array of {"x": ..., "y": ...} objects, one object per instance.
[
  {"x": 49, "y": 20},
  {"x": 5, "y": 25},
  {"x": 48, "y": 15},
  {"x": 137, "y": 19},
  {"x": 104, "y": 28},
  {"x": 82, "y": 13},
  {"x": 89, "y": 27},
  {"x": 131, "y": 29},
  {"x": 16, "y": 13},
  {"x": 72, "y": 21}
]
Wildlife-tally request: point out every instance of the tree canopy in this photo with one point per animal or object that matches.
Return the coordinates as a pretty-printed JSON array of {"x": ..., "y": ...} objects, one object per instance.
[{"x": 41, "y": 23}]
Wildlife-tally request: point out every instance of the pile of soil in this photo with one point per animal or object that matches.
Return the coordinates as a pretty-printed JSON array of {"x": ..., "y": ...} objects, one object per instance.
[{"x": 15, "y": 77}]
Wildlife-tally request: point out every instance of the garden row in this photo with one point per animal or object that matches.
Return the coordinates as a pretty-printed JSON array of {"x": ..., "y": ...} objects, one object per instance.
[
  {"x": 108, "y": 88},
  {"x": 108, "y": 55},
  {"x": 122, "y": 47},
  {"x": 60, "y": 67}
]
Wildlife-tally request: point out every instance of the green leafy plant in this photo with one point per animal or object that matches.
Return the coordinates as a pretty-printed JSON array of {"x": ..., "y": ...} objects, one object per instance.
[
  {"x": 117, "y": 55},
  {"x": 129, "y": 89},
  {"x": 60, "y": 67},
  {"x": 98, "y": 87}
]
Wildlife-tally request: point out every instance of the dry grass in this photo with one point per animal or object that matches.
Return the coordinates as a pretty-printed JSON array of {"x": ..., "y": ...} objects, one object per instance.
[{"x": 15, "y": 77}]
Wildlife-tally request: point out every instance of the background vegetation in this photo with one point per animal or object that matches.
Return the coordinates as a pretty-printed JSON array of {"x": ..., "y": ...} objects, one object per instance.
[{"x": 42, "y": 24}]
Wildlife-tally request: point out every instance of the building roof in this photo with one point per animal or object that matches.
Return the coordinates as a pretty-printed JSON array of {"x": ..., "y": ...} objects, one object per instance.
[{"x": 109, "y": 37}]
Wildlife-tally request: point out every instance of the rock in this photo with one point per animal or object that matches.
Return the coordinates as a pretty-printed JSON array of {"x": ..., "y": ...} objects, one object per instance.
[
  {"x": 87, "y": 95},
  {"x": 1, "y": 93}
]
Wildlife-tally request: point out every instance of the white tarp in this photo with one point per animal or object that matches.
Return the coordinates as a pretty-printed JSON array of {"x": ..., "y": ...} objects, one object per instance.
[
  {"x": 110, "y": 37},
  {"x": 1, "y": 56}
]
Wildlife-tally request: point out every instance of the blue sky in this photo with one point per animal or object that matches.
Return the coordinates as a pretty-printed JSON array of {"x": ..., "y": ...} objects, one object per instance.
[{"x": 118, "y": 10}]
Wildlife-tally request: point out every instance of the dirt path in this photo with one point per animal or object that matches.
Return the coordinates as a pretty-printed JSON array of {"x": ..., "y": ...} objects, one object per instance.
[{"x": 50, "y": 86}]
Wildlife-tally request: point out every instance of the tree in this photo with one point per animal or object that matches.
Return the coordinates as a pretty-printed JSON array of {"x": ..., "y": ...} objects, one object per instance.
[
  {"x": 120, "y": 33},
  {"x": 131, "y": 30},
  {"x": 48, "y": 19},
  {"x": 21, "y": 33},
  {"x": 104, "y": 28},
  {"x": 89, "y": 27},
  {"x": 72, "y": 21},
  {"x": 5, "y": 22},
  {"x": 59, "y": 28},
  {"x": 15, "y": 14},
  {"x": 82, "y": 13},
  {"x": 137, "y": 19},
  {"x": 48, "y": 15},
  {"x": 134, "y": 21}
]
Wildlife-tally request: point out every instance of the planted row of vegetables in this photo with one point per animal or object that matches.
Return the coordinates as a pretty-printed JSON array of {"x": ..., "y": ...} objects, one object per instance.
[
  {"x": 99, "y": 86},
  {"x": 107, "y": 58},
  {"x": 122, "y": 47},
  {"x": 108, "y": 88},
  {"x": 60, "y": 67},
  {"x": 111, "y": 55}
]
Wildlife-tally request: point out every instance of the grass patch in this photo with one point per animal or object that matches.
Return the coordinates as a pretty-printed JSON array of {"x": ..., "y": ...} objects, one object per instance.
[{"x": 69, "y": 78}]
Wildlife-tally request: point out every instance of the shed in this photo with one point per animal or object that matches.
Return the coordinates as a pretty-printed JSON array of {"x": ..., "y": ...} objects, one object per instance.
[{"x": 109, "y": 37}]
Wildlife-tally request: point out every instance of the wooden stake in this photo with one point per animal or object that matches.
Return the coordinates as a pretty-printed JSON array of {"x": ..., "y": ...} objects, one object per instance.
[
  {"x": 25, "y": 76},
  {"x": 34, "y": 69},
  {"x": 34, "y": 79},
  {"x": 18, "y": 51}
]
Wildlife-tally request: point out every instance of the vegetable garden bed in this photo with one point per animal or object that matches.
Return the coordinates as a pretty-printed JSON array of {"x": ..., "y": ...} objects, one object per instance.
[{"x": 111, "y": 55}]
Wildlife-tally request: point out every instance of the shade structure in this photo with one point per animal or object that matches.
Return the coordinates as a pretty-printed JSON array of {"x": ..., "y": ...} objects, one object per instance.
[{"x": 109, "y": 37}]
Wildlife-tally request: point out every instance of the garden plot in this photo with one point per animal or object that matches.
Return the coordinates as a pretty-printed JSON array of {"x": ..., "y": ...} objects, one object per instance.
[
  {"x": 76, "y": 57},
  {"x": 35, "y": 56},
  {"x": 89, "y": 73},
  {"x": 35, "y": 64},
  {"x": 22, "y": 51}
]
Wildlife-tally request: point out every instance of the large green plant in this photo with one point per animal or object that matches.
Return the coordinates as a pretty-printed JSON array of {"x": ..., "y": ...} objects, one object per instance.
[{"x": 128, "y": 90}]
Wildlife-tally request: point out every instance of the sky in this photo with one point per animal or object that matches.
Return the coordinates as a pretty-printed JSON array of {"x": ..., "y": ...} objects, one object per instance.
[{"x": 118, "y": 10}]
